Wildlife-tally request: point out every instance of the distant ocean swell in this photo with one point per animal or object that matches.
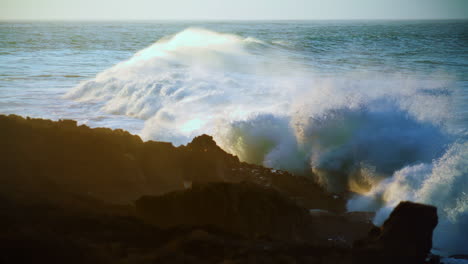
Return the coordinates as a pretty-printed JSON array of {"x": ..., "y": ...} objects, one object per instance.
[{"x": 386, "y": 138}]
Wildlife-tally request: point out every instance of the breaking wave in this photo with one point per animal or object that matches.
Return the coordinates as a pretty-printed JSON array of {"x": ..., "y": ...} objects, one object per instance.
[
  {"x": 442, "y": 183},
  {"x": 361, "y": 132}
]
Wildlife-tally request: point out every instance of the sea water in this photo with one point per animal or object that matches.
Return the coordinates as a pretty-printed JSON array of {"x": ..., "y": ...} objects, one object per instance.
[{"x": 379, "y": 108}]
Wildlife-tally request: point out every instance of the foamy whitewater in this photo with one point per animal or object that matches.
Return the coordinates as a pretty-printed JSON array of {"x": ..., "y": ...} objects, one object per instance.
[{"x": 387, "y": 130}]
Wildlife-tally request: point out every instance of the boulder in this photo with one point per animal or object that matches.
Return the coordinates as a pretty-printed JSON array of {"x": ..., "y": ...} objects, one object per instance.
[{"x": 405, "y": 237}]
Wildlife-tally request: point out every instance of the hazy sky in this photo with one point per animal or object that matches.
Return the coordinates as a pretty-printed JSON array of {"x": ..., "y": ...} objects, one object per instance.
[{"x": 232, "y": 9}]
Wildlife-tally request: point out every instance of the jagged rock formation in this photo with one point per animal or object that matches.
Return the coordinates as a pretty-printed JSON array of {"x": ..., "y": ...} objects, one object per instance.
[{"x": 115, "y": 166}]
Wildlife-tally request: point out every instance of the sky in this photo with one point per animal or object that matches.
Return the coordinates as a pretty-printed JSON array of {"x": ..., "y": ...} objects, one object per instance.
[{"x": 231, "y": 9}]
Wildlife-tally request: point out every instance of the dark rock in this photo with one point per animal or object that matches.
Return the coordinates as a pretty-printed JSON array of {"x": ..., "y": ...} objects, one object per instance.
[
  {"x": 405, "y": 237},
  {"x": 80, "y": 230},
  {"x": 206, "y": 162},
  {"x": 115, "y": 166},
  {"x": 340, "y": 229},
  {"x": 242, "y": 208},
  {"x": 252, "y": 211}
]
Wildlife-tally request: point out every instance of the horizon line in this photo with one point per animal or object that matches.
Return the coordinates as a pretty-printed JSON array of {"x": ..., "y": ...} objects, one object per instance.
[{"x": 222, "y": 20}]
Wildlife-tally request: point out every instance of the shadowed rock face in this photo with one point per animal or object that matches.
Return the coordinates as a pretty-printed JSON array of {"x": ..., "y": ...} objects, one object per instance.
[
  {"x": 405, "y": 237},
  {"x": 252, "y": 211},
  {"x": 243, "y": 208},
  {"x": 206, "y": 162},
  {"x": 115, "y": 166},
  {"x": 412, "y": 223}
]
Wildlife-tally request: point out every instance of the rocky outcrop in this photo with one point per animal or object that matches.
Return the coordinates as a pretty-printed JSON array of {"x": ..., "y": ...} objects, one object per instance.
[
  {"x": 204, "y": 161},
  {"x": 115, "y": 166},
  {"x": 341, "y": 230},
  {"x": 39, "y": 232},
  {"x": 241, "y": 208},
  {"x": 405, "y": 237},
  {"x": 252, "y": 211}
]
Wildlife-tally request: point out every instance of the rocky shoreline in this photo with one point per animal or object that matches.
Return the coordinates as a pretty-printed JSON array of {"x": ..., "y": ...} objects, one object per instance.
[{"x": 73, "y": 194}]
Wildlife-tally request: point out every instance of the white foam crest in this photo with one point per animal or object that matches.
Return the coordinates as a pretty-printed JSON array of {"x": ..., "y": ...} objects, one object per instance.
[{"x": 199, "y": 81}]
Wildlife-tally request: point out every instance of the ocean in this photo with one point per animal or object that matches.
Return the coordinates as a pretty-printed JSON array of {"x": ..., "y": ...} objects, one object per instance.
[{"x": 378, "y": 108}]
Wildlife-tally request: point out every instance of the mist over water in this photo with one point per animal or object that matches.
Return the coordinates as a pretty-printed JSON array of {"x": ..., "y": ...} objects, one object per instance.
[{"x": 386, "y": 133}]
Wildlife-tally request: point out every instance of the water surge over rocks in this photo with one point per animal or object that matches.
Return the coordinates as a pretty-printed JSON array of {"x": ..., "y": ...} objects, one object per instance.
[{"x": 361, "y": 132}]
